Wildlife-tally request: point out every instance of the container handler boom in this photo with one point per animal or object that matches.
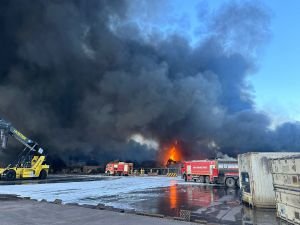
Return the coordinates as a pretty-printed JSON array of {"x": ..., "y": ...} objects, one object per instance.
[{"x": 30, "y": 162}]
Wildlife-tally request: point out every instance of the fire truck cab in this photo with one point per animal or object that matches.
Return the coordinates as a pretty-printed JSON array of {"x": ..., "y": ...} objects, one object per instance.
[
  {"x": 118, "y": 168},
  {"x": 217, "y": 171}
]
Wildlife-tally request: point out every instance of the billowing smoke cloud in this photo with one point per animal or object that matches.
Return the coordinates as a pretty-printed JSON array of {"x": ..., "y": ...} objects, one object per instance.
[{"x": 82, "y": 77}]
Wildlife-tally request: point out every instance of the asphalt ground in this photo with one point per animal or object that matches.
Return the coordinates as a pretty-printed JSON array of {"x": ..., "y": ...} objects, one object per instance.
[
  {"x": 15, "y": 211},
  {"x": 207, "y": 203}
]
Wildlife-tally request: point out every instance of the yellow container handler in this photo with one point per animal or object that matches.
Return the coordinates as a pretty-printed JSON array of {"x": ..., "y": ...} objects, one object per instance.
[{"x": 31, "y": 162}]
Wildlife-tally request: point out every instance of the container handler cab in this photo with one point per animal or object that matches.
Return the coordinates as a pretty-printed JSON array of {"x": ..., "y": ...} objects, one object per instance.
[{"x": 30, "y": 163}]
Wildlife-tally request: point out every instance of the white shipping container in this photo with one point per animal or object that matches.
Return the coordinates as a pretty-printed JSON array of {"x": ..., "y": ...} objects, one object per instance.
[
  {"x": 287, "y": 197},
  {"x": 256, "y": 178},
  {"x": 286, "y": 172},
  {"x": 288, "y": 213},
  {"x": 286, "y": 180}
]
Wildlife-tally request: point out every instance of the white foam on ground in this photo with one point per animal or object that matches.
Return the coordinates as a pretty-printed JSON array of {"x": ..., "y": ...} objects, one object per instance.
[{"x": 88, "y": 192}]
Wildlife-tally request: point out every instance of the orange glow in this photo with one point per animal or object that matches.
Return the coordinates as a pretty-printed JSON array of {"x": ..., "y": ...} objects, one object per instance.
[
  {"x": 173, "y": 195},
  {"x": 172, "y": 153}
]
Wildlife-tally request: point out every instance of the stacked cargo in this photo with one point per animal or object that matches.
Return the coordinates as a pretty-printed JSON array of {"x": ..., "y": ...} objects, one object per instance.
[
  {"x": 256, "y": 178},
  {"x": 286, "y": 181}
]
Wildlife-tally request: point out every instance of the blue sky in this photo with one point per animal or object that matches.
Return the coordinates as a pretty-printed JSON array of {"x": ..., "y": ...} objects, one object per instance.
[{"x": 276, "y": 83}]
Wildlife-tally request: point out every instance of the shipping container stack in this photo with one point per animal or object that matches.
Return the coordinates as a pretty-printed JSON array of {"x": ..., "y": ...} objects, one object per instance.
[
  {"x": 286, "y": 181},
  {"x": 256, "y": 178}
]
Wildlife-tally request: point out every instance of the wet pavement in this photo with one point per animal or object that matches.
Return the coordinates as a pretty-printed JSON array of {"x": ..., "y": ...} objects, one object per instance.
[
  {"x": 214, "y": 204},
  {"x": 158, "y": 195},
  {"x": 16, "y": 211}
]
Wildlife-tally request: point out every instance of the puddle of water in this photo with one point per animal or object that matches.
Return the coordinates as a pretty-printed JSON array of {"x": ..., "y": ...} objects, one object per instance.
[{"x": 211, "y": 203}]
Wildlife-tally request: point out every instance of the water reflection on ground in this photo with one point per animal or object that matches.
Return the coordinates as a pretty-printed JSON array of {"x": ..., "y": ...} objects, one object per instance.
[
  {"x": 206, "y": 202},
  {"x": 211, "y": 203}
]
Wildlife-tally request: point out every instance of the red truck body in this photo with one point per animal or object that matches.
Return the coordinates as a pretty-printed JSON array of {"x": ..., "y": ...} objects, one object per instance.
[
  {"x": 119, "y": 168},
  {"x": 211, "y": 171}
]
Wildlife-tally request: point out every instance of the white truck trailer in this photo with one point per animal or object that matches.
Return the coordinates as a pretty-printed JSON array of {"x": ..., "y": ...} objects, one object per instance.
[
  {"x": 256, "y": 178},
  {"x": 286, "y": 181}
]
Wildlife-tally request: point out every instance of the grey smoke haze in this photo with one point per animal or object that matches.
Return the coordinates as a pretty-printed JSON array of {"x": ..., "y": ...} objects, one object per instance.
[{"x": 82, "y": 77}]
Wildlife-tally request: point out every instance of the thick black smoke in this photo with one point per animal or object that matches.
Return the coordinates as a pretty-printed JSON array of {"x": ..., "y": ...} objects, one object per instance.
[{"x": 82, "y": 77}]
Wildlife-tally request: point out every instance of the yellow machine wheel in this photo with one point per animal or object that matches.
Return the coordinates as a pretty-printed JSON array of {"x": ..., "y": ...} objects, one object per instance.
[
  {"x": 9, "y": 175},
  {"x": 43, "y": 174}
]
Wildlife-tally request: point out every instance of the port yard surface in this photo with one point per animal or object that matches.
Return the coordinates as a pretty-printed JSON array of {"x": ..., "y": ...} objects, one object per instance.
[
  {"x": 19, "y": 211},
  {"x": 124, "y": 200}
]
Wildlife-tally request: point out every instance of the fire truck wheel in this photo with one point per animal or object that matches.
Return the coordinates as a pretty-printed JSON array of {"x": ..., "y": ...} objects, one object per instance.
[
  {"x": 207, "y": 180},
  {"x": 237, "y": 182},
  {"x": 230, "y": 182},
  {"x": 201, "y": 179},
  {"x": 10, "y": 175}
]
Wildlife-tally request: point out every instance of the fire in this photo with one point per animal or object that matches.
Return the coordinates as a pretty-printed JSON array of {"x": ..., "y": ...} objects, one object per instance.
[{"x": 173, "y": 153}]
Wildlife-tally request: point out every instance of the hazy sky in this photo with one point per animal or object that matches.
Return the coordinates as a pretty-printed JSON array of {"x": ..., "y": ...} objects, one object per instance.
[{"x": 276, "y": 83}]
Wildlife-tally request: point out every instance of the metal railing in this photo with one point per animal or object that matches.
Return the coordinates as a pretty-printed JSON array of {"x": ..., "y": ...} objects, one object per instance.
[{"x": 158, "y": 171}]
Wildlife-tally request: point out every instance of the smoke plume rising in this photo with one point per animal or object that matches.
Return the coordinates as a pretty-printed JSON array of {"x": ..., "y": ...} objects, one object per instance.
[{"x": 83, "y": 77}]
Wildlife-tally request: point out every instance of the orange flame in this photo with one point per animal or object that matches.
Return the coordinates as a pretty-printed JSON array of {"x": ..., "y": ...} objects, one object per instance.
[{"x": 173, "y": 153}]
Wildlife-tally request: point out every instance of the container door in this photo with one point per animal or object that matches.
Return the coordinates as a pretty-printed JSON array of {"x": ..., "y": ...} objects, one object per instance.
[{"x": 246, "y": 182}]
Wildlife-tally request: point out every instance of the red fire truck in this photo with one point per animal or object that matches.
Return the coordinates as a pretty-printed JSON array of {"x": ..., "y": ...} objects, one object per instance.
[
  {"x": 119, "y": 168},
  {"x": 217, "y": 171}
]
